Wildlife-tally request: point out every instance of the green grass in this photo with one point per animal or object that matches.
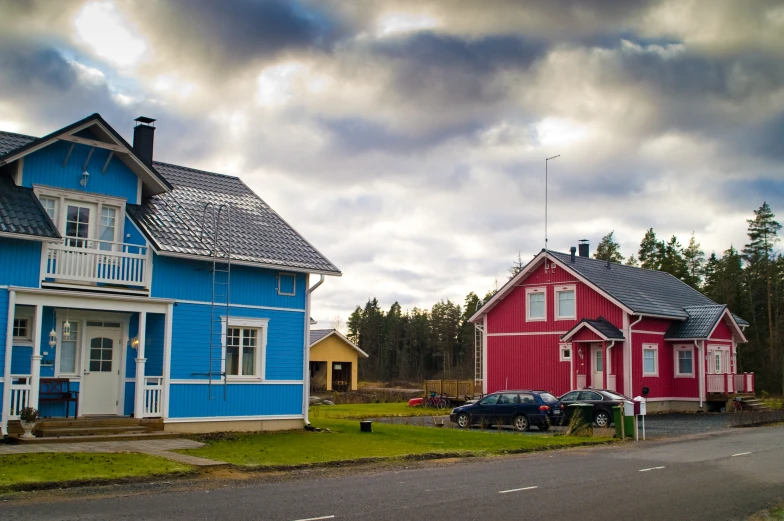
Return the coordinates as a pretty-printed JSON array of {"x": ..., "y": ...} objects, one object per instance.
[
  {"x": 346, "y": 442},
  {"x": 371, "y": 410},
  {"x": 774, "y": 402},
  {"x": 19, "y": 470}
]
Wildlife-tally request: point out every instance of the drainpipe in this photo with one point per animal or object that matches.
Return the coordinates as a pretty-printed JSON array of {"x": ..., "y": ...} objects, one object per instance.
[
  {"x": 607, "y": 364},
  {"x": 629, "y": 364},
  {"x": 306, "y": 357},
  {"x": 701, "y": 372}
]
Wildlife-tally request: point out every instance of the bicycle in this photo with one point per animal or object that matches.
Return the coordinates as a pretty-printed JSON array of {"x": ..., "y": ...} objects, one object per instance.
[
  {"x": 737, "y": 405},
  {"x": 436, "y": 402}
]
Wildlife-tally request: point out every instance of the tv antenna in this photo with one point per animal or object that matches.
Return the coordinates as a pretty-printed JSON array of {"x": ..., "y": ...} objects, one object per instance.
[{"x": 545, "y": 202}]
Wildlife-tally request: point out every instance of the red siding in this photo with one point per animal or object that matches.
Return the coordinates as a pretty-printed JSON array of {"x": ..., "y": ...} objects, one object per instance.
[
  {"x": 526, "y": 362},
  {"x": 665, "y": 385},
  {"x": 652, "y": 324},
  {"x": 722, "y": 332},
  {"x": 509, "y": 315},
  {"x": 586, "y": 335}
]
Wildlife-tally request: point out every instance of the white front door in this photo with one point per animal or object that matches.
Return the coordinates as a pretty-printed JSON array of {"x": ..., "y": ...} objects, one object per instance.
[
  {"x": 99, "y": 392},
  {"x": 597, "y": 363}
]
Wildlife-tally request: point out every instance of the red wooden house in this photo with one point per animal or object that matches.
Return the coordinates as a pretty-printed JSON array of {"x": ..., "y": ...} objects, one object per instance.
[{"x": 567, "y": 321}]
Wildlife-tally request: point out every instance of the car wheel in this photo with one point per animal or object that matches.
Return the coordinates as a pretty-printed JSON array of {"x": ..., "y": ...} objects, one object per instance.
[
  {"x": 521, "y": 423},
  {"x": 463, "y": 421},
  {"x": 602, "y": 419}
]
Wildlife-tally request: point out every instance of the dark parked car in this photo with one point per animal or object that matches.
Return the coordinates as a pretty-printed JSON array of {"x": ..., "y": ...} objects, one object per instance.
[
  {"x": 602, "y": 400},
  {"x": 521, "y": 409}
]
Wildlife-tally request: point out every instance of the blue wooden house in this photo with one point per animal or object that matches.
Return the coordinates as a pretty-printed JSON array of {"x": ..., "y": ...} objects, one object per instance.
[{"x": 139, "y": 289}]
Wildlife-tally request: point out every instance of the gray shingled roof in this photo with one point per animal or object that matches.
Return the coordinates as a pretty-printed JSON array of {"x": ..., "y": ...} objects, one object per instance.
[
  {"x": 318, "y": 334},
  {"x": 21, "y": 212},
  {"x": 602, "y": 325},
  {"x": 173, "y": 221},
  {"x": 10, "y": 141},
  {"x": 701, "y": 321},
  {"x": 643, "y": 291}
]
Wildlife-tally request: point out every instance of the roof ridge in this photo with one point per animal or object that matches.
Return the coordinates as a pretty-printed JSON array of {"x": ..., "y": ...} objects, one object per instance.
[{"x": 18, "y": 134}]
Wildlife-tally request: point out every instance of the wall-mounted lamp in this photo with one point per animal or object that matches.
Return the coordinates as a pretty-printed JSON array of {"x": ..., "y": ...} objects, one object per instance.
[
  {"x": 580, "y": 352},
  {"x": 135, "y": 342},
  {"x": 52, "y": 338},
  {"x": 85, "y": 178},
  {"x": 66, "y": 329}
]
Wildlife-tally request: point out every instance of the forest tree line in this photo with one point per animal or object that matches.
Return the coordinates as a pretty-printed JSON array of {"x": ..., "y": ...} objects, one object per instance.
[{"x": 439, "y": 342}]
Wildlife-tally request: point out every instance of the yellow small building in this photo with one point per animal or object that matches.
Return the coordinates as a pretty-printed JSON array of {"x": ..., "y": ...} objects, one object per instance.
[{"x": 333, "y": 361}]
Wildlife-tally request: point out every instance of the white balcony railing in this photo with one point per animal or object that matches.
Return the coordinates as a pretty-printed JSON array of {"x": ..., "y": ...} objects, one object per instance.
[
  {"x": 727, "y": 383},
  {"x": 744, "y": 383},
  {"x": 20, "y": 395},
  {"x": 97, "y": 262},
  {"x": 153, "y": 396}
]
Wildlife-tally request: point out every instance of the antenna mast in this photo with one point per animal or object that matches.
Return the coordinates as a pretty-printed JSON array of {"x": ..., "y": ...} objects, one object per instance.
[{"x": 545, "y": 203}]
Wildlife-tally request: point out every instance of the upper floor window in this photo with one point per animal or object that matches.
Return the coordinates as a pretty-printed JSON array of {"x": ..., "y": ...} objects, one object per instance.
[
  {"x": 287, "y": 284},
  {"x": 536, "y": 304},
  {"x": 86, "y": 220},
  {"x": 565, "y": 306},
  {"x": 50, "y": 205}
]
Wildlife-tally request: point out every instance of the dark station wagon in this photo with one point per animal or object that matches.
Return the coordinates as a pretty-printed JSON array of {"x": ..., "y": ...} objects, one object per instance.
[{"x": 520, "y": 409}]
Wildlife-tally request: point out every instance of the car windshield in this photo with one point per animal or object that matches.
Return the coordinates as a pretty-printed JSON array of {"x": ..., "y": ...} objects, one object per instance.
[{"x": 548, "y": 398}]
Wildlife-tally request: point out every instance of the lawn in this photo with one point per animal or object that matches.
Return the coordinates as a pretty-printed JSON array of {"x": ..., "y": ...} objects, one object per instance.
[
  {"x": 371, "y": 410},
  {"x": 19, "y": 470},
  {"x": 346, "y": 442}
]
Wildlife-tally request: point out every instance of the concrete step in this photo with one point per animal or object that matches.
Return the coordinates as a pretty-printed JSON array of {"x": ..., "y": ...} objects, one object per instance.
[
  {"x": 98, "y": 422},
  {"x": 93, "y": 431},
  {"x": 106, "y": 437}
]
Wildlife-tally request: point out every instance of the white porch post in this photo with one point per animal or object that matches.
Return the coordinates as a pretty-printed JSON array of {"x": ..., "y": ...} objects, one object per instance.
[
  {"x": 35, "y": 360},
  {"x": 9, "y": 345},
  {"x": 138, "y": 407},
  {"x": 167, "y": 345}
]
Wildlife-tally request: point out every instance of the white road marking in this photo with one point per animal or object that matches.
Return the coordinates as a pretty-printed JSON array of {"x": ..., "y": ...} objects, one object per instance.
[
  {"x": 316, "y": 518},
  {"x": 652, "y": 468},
  {"x": 741, "y": 454},
  {"x": 516, "y": 490}
]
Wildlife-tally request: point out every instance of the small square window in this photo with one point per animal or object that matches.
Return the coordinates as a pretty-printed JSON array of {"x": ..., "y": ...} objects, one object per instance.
[
  {"x": 566, "y": 352},
  {"x": 22, "y": 329},
  {"x": 287, "y": 284}
]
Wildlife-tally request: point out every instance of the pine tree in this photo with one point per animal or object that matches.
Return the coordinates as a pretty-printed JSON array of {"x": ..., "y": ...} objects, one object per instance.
[
  {"x": 632, "y": 261},
  {"x": 672, "y": 260},
  {"x": 651, "y": 251},
  {"x": 695, "y": 263},
  {"x": 608, "y": 249},
  {"x": 517, "y": 267}
]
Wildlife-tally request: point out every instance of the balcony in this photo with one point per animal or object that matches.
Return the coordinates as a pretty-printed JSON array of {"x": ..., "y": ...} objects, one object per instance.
[
  {"x": 730, "y": 383},
  {"x": 97, "y": 263}
]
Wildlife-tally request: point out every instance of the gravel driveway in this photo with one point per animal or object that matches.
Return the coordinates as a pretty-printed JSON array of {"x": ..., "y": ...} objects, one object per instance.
[{"x": 656, "y": 425}]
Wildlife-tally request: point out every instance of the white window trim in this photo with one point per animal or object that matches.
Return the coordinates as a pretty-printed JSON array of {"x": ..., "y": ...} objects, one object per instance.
[
  {"x": 655, "y": 349},
  {"x": 261, "y": 349},
  {"x": 62, "y": 196},
  {"x": 26, "y": 313},
  {"x": 694, "y": 362},
  {"x": 293, "y": 284},
  {"x": 537, "y": 290},
  {"x": 556, "y": 310},
  {"x": 564, "y": 347}
]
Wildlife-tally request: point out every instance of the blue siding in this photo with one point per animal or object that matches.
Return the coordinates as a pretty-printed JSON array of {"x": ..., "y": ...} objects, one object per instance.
[
  {"x": 192, "y": 400},
  {"x": 3, "y": 326},
  {"x": 20, "y": 359},
  {"x": 49, "y": 353},
  {"x": 191, "y": 333},
  {"x": 130, "y": 354},
  {"x": 132, "y": 234},
  {"x": 153, "y": 349},
  {"x": 130, "y": 389},
  {"x": 20, "y": 262},
  {"x": 44, "y": 167},
  {"x": 192, "y": 280}
]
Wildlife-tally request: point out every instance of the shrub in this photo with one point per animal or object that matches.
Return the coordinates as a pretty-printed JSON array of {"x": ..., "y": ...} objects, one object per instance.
[{"x": 29, "y": 414}]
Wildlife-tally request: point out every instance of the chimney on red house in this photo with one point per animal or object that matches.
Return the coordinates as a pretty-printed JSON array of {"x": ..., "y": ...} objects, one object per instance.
[{"x": 584, "y": 247}]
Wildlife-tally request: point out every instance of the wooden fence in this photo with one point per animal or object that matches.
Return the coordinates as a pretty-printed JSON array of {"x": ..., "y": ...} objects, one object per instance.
[{"x": 454, "y": 389}]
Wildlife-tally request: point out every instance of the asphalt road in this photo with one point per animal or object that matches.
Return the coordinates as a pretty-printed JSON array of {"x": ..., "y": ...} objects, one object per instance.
[{"x": 717, "y": 477}]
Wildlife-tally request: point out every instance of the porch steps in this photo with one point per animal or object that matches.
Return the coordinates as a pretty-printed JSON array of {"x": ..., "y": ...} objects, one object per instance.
[
  {"x": 92, "y": 428},
  {"x": 99, "y": 437},
  {"x": 751, "y": 403}
]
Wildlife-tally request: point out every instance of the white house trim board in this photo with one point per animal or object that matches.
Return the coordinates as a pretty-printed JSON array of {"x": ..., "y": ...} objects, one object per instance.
[
  {"x": 245, "y": 306},
  {"x": 339, "y": 335},
  {"x": 90, "y": 301},
  {"x": 19, "y": 173},
  {"x": 485, "y": 348},
  {"x": 234, "y": 418},
  {"x": 589, "y": 326},
  {"x": 533, "y": 333},
  {"x": 167, "y": 347},
  {"x": 9, "y": 345},
  {"x": 93, "y": 143},
  {"x": 236, "y": 382},
  {"x": 26, "y": 237}
]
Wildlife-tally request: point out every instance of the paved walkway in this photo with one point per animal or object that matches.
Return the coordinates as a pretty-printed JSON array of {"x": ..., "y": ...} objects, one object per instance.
[{"x": 160, "y": 448}]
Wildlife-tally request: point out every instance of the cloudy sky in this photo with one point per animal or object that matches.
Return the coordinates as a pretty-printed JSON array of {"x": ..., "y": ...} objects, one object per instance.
[{"x": 406, "y": 139}]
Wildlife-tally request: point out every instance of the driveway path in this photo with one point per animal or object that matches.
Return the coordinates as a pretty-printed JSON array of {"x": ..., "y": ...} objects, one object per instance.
[
  {"x": 154, "y": 447},
  {"x": 716, "y": 477}
]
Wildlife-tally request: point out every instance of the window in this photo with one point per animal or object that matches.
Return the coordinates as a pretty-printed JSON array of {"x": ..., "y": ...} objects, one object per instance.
[
  {"x": 287, "y": 284},
  {"x": 22, "y": 329},
  {"x": 565, "y": 303},
  {"x": 684, "y": 362},
  {"x": 590, "y": 396},
  {"x": 489, "y": 400},
  {"x": 599, "y": 361},
  {"x": 101, "y": 351},
  {"x": 108, "y": 226},
  {"x": 245, "y": 347},
  {"x": 566, "y": 352},
  {"x": 77, "y": 224},
  {"x": 535, "y": 300},
  {"x": 50, "y": 205},
  {"x": 650, "y": 360},
  {"x": 570, "y": 397},
  {"x": 717, "y": 362},
  {"x": 68, "y": 353}
]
